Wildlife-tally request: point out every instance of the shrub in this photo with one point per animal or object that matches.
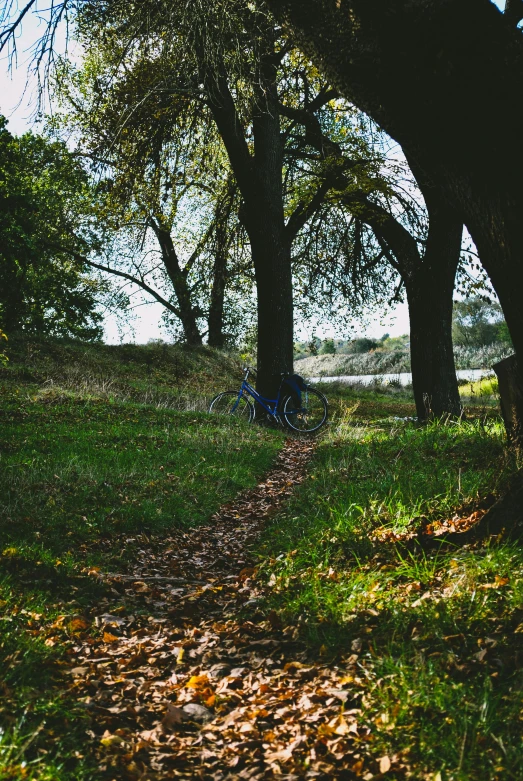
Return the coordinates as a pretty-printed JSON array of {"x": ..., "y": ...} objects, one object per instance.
[
  {"x": 328, "y": 347},
  {"x": 363, "y": 345}
]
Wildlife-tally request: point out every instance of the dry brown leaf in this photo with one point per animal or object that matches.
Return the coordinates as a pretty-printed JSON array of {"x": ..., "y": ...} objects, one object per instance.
[{"x": 172, "y": 717}]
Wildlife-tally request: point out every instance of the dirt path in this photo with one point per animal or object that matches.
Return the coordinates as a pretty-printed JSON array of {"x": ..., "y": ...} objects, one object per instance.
[{"x": 179, "y": 685}]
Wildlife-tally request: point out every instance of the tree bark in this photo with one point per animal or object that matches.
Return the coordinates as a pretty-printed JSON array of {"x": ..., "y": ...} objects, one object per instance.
[
  {"x": 434, "y": 382},
  {"x": 259, "y": 178},
  {"x": 216, "y": 337},
  {"x": 511, "y": 399},
  {"x": 221, "y": 247},
  {"x": 429, "y": 282},
  {"x": 430, "y": 292}
]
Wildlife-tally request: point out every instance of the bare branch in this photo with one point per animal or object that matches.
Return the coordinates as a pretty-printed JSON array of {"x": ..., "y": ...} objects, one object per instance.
[{"x": 139, "y": 282}]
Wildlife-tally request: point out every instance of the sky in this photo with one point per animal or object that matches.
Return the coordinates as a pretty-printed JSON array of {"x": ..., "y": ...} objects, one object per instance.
[{"x": 18, "y": 102}]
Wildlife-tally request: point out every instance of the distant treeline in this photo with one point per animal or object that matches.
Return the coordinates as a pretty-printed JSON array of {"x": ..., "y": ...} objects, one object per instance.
[
  {"x": 479, "y": 332},
  {"x": 382, "y": 361}
]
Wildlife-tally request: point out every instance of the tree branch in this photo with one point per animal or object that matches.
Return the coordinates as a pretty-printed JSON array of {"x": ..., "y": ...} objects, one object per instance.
[
  {"x": 314, "y": 134},
  {"x": 223, "y": 109},
  {"x": 303, "y": 213},
  {"x": 386, "y": 229},
  {"x": 140, "y": 283},
  {"x": 8, "y": 32}
]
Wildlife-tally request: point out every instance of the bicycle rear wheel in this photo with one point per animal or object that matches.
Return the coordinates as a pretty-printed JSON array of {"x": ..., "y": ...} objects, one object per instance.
[
  {"x": 232, "y": 403},
  {"x": 310, "y": 415}
]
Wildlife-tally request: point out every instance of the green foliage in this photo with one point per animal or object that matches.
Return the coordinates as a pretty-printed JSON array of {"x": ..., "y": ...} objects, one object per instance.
[
  {"x": 363, "y": 345},
  {"x": 431, "y": 640},
  {"x": 478, "y": 323},
  {"x": 3, "y": 357},
  {"x": 395, "y": 342},
  {"x": 44, "y": 199},
  {"x": 327, "y": 347}
]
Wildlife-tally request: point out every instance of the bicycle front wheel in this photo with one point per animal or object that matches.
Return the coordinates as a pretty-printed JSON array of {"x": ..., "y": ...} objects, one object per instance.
[
  {"x": 232, "y": 403},
  {"x": 309, "y": 415}
]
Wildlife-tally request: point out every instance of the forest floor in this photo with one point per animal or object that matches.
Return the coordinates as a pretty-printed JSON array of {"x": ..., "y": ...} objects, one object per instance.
[{"x": 188, "y": 597}]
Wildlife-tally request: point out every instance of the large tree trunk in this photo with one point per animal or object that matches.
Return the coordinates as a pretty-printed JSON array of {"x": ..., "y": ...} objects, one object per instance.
[
  {"x": 434, "y": 381},
  {"x": 271, "y": 251},
  {"x": 429, "y": 282},
  {"x": 508, "y": 375},
  {"x": 259, "y": 177},
  {"x": 430, "y": 291},
  {"x": 272, "y": 263},
  {"x": 222, "y": 244},
  {"x": 443, "y": 78}
]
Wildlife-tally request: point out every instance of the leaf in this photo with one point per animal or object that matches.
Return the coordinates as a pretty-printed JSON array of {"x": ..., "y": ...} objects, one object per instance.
[
  {"x": 111, "y": 740},
  {"x": 172, "y": 717},
  {"x": 197, "y": 682},
  {"x": 179, "y": 658},
  {"x": 384, "y": 764},
  {"x": 78, "y": 624},
  {"x": 342, "y": 727},
  {"x": 110, "y": 638}
]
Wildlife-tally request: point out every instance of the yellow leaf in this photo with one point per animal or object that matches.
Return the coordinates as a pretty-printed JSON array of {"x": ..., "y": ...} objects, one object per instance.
[
  {"x": 197, "y": 681},
  {"x": 110, "y": 638},
  {"x": 111, "y": 740},
  {"x": 179, "y": 658},
  {"x": 342, "y": 728}
]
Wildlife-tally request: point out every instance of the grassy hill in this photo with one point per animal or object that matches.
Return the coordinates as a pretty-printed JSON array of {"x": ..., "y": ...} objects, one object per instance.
[
  {"x": 170, "y": 376},
  {"x": 101, "y": 450}
]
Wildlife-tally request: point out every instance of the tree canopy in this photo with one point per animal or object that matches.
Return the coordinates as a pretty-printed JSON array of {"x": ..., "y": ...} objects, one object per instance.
[{"x": 45, "y": 207}]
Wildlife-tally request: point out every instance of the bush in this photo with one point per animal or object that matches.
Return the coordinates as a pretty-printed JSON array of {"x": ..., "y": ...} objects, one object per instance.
[
  {"x": 363, "y": 345},
  {"x": 327, "y": 347}
]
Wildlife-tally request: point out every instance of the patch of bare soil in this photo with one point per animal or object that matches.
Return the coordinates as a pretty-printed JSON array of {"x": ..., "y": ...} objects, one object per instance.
[{"x": 179, "y": 685}]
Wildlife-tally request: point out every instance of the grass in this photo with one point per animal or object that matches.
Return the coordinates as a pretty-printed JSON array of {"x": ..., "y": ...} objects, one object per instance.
[
  {"x": 102, "y": 448},
  {"x": 431, "y": 641},
  {"x": 158, "y": 374},
  {"x": 93, "y": 463},
  {"x": 481, "y": 392}
]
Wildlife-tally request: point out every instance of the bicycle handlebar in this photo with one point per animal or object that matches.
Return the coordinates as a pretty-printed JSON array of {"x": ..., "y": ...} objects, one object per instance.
[{"x": 248, "y": 370}]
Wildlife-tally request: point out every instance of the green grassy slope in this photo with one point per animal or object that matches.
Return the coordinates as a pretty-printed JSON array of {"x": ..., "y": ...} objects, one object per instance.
[
  {"x": 95, "y": 457},
  {"x": 172, "y": 376}
]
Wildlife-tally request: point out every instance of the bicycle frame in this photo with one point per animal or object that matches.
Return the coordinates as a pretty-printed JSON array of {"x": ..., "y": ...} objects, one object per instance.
[{"x": 246, "y": 387}]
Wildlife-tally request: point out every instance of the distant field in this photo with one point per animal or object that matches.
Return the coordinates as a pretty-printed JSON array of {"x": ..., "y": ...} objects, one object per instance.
[
  {"x": 383, "y": 361},
  {"x": 162, "y": 375}
]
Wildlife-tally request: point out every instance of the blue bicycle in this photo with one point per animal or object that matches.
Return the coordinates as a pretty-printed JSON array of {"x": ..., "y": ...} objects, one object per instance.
[{"x": 298, "y": 406}]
